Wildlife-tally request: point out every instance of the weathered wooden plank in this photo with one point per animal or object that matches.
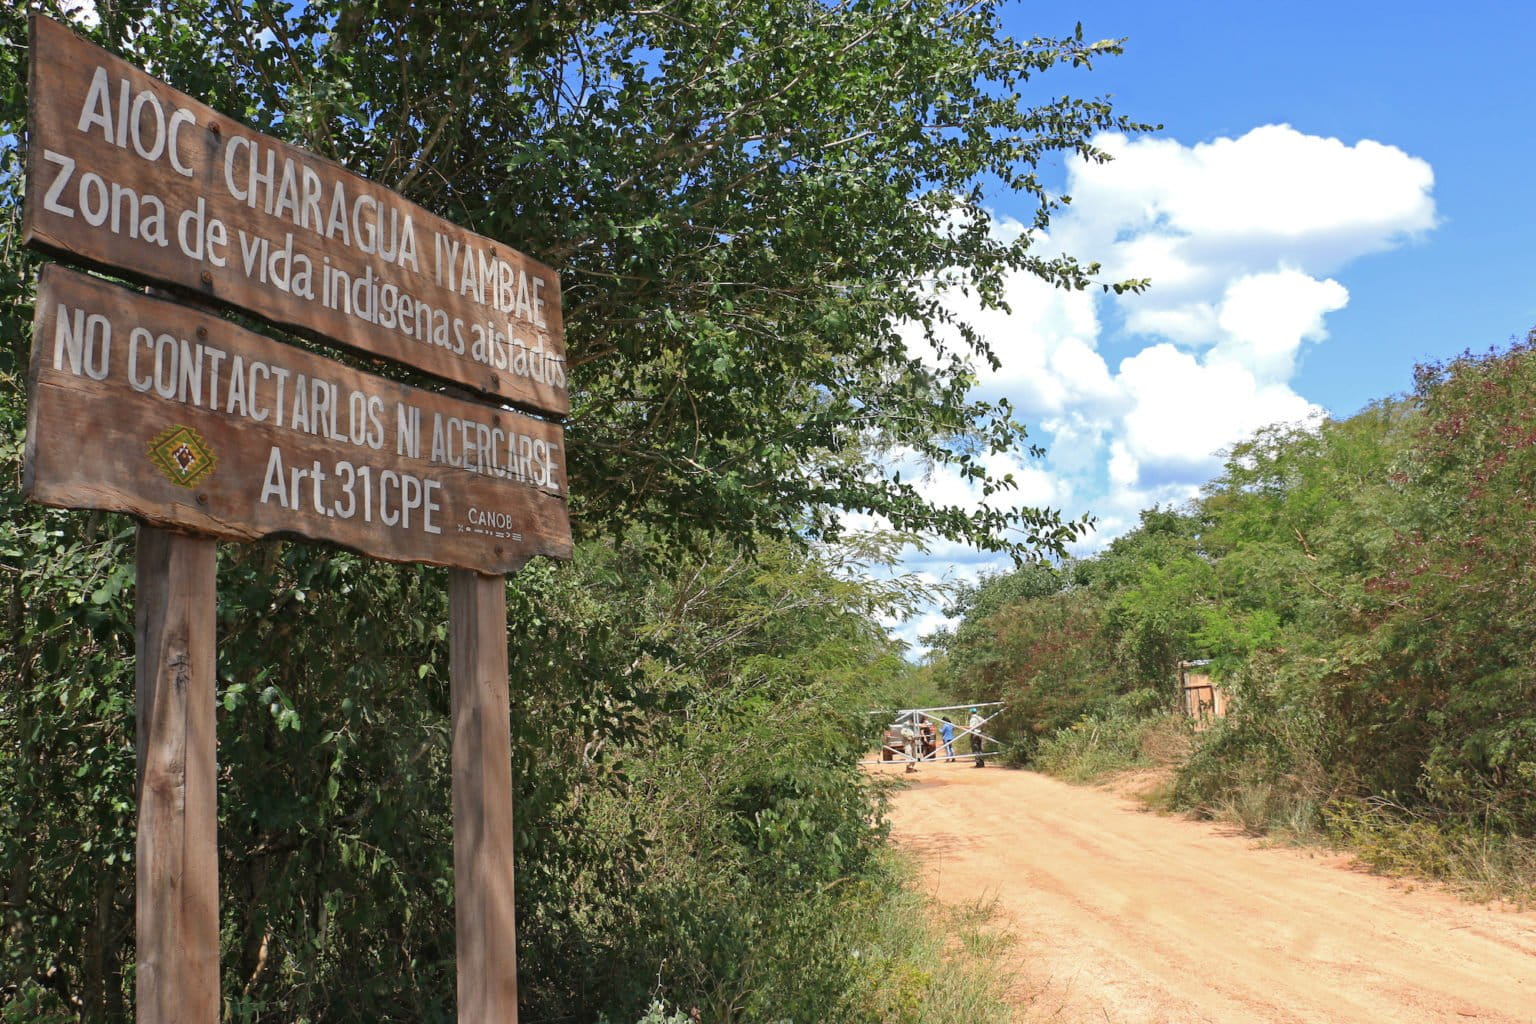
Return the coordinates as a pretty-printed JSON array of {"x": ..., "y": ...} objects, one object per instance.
[
  {"x": 482, "y": 800},
  {"x": 185, "y": 420},
  {"x": 125, "y": 172},
  {"x": 177, "y": 915}
]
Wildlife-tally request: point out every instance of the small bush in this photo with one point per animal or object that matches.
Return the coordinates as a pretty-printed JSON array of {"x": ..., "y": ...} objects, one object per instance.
[
  {"x": 927, "y": 964},
  {"x": 905, "y": 960},
  {"x": 658, "y": 1014},
  {"x": 1275, "y": 761},
  {"x": 1130, "y": 731},
  {"x": 1485, "y": 863}
]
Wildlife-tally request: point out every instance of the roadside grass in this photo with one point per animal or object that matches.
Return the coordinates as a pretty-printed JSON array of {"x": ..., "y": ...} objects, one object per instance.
[
  {"x": 908, "y": 959},
  {"x": 1480, "y": 864},
  {"x": 1114, "y": 742},
  {"x": 933, "y": 964},
  {"x": 1297, "y": 809},
  {"x": 1483, "y": 864}
]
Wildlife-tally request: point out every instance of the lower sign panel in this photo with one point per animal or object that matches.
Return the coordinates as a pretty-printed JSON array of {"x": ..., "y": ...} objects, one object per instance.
[{"x": 185, "y": 420}]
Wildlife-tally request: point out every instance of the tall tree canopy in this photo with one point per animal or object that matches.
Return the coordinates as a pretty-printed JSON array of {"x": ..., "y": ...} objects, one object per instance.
[{"x": 749, "y": 206}]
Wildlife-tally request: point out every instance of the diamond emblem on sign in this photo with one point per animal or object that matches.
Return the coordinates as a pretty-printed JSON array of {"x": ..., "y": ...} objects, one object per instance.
[{"x": 182, "y": 455}]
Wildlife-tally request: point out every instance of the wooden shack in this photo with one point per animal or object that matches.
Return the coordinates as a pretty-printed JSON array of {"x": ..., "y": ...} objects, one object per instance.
[{"x": 1202, "y": 699}]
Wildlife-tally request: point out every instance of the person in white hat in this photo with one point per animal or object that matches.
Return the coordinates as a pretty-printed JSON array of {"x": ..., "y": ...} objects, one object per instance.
[{"x": 909, "y": 740}]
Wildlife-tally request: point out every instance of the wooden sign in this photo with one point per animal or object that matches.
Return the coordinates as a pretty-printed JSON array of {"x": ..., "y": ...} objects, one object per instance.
[
  {"x": 185, "y": 420},
  {"x": 127, "y": 173},
  {"x": 192, "y": 423}
]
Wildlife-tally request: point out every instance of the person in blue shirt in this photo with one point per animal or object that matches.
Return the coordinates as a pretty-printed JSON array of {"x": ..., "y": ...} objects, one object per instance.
[{"x": 947, "y": 734}]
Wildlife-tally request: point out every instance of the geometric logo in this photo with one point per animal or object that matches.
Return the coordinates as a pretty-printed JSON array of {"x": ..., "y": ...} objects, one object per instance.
[{"x": 182, "y": 455}]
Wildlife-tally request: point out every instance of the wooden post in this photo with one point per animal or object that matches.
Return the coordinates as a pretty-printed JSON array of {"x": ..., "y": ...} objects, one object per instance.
[
  {"x": 482, "y": 799},
  {"x": 178, "y": 859}
]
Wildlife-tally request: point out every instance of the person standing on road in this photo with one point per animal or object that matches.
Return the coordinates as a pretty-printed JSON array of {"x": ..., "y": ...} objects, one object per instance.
[
  {"x": 947, "y": 734},
  {"x": 909, "y": 740},
  {"x": 975, "y": 724}
]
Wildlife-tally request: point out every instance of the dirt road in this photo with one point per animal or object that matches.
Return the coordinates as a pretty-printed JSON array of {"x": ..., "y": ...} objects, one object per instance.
[{"x": 1128, "y": 917}]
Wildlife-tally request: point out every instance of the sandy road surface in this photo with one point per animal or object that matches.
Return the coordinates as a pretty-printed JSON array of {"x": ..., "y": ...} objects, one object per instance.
[{"x": 1127, "y": 917}]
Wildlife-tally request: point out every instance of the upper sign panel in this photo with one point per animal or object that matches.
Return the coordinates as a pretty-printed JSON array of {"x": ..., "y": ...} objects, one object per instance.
[{"x": 127, "y": 173}]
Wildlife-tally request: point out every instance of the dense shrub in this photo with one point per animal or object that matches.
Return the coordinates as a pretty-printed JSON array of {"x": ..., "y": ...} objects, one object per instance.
[
  {"x": 1055, "y": 643},
  {"x": 1129, "y": 731}
]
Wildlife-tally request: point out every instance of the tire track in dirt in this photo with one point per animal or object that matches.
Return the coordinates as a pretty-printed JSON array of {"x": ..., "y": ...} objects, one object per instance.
[{"x": 1127, "y": 917}]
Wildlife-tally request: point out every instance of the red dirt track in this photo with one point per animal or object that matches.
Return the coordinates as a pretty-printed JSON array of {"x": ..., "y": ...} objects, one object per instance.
[{"x": 1127, "y": 917}]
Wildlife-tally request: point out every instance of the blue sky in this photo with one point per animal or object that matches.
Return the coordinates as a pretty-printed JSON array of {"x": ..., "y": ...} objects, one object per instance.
[
  {"x": 1448, "y": 83},
  {"x": 1339, "y": 191}
]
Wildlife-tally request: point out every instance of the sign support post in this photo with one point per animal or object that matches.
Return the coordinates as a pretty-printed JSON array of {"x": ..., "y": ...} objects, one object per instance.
[
  {"x": 177, "y": 917},
  {"x": 482, "y": 798}
]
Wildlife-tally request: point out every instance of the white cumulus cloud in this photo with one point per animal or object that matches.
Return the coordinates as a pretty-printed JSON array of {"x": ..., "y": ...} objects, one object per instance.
[
  {"x": 1264, "y": 318},
  {"x": 1246, "y": 241},
  {"x": 1182, "y": 410},
  {"x": 1185, "y": 214}
]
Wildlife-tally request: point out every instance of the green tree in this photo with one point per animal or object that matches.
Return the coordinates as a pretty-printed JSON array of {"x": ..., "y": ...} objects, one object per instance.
[
  {"x": 1298, "y": 522},
  {"x": 1055, "y": 642},
  {"x": 748, "y": 207},
  {"x": 973, "y": 605},
  {"x": 1158, "y": 584},
  {"x": 1051, "y": 662},
  {"x": 1448, "y": 626}
]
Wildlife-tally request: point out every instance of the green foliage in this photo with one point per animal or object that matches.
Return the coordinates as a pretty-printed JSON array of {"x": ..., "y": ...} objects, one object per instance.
[
  {"x": 1056, "y": 642},
  {"x": 1453, "y": 629},
  {"x": 1399, "y": 662},
  {"x": 902, "y": 958},
  {"x": 688, "y": 809},
  {"x": 1484, "y": 862},
  {"x": 1048, "y": 660},
  {"x": 917, "y": 686},
  {"x": 746, "y": 798},
  {"x": 919, "y": 963},
  {"x": 1361, "y": 587},
  {"x": 657, "y": 1013},
  {"x": 1277, "y": 759}
]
